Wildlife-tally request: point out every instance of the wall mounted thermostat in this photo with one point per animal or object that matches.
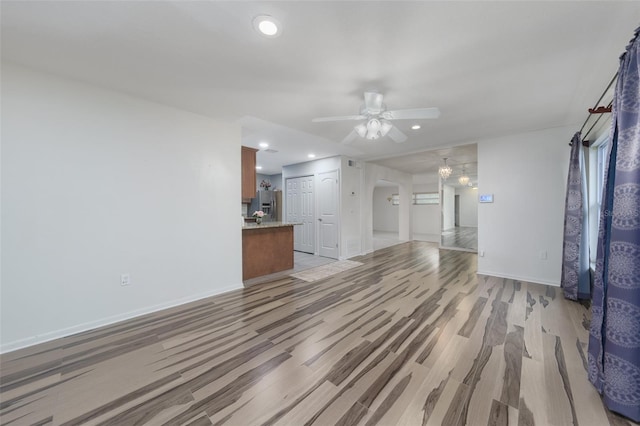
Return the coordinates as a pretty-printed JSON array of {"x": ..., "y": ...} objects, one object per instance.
[{"x": 486, "y": 198}]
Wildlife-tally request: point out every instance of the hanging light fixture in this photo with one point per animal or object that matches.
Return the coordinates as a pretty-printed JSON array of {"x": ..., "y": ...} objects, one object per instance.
[
  {"x": 445, "y": 171},
  {"x": 464, "y": 179}
]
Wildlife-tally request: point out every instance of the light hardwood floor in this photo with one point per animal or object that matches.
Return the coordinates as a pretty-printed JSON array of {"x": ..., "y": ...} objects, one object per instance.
[
  {"x": 464, "y": 237},
  {"x": 413, "y": 336}
]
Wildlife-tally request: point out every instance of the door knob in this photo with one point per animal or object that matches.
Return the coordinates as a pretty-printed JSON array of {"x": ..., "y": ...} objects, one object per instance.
[{"x": 319, "y": 219}]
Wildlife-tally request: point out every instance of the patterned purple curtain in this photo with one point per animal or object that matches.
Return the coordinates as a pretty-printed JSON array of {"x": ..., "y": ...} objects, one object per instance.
[
  {"x": 614, "y": 341},
  {"x": 575, "y": 280}
]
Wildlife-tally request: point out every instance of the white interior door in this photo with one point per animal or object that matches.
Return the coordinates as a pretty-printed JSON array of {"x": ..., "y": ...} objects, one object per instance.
[
  {"x": 328, "y": 204},
  {"x": 300, "y": 208}
]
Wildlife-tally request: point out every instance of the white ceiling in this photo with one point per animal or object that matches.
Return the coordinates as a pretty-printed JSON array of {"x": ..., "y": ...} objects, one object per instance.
[
  {"x": 430, "y": 161},
  {"x": 493, "y": 68}
]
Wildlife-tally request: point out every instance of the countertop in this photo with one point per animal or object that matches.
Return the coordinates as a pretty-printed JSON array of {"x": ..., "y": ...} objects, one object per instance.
[{"x": 263, "y": 225}]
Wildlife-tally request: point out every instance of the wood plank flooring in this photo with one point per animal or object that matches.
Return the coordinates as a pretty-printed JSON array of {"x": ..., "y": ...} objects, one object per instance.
[
  {"x": 464, "y": 237},
  {"x": 413, "y": 336}
]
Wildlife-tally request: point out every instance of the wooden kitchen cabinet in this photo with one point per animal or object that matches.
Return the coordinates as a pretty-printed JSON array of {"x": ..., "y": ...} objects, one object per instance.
[
  {"x": 248, "y": 174},
  {"x": 266, "y": 249}
]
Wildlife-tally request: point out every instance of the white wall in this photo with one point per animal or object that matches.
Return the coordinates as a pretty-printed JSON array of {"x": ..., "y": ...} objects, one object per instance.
[
  {"x": 259, "y": 178},
  {"x": 448, "y": 207},
  {"x": 385, "y": 214},
  {"x": 350, "y": 209},
  {"x": 468, "y": 206},
  {"x": 96, "y": 184},
  {"x": 310, "y": 168},
  {"x": 527, "y": 174},
  {"x": 426, "y": 218},
  {"x": 276, "y": 181},
  {"x": 372, "y": 174}
]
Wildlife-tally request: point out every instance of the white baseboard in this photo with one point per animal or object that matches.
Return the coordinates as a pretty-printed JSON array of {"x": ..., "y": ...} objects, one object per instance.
[
  {"x": 441, "y": 247},
  {"x": 52, "y": 335},
  {"x": 429, "y": 238},
  {"x": 520, "y": 278}
]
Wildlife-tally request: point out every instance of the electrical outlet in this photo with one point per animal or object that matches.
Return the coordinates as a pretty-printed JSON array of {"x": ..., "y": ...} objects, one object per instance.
[
  {"x": 125, "y": 279},
  {"x": 481, "y": 253},
  {"x": 543, "y": 255}
]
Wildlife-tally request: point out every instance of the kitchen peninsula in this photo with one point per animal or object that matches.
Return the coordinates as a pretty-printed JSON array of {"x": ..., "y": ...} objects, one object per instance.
[{"x": 266, "y": 248}]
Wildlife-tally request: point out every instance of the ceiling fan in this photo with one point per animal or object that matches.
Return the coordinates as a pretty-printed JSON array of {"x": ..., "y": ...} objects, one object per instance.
[{"x": 378, "y": 119}]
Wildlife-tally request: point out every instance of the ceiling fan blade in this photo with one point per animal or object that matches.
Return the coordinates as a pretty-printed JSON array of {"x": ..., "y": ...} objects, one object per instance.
[
  {"x": 373, "y": 102},
  {"x": 350, "y": 137},
  {"x": 338, "y": 118},
  {"x": 414, "y": 113},
  {"x": 397, "y": 135}
]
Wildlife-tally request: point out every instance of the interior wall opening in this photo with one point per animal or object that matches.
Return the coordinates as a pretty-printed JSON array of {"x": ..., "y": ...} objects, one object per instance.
[
  {"x": 386, "y": 217},
  {"x": 459, "y": 209}
]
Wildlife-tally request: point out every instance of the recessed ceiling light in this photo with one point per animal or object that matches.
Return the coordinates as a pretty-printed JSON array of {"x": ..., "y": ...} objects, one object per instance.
[
  {"x": 311, "y": 156},
  {"x": 264, "y": 145},
  {"x": 258, "y": 167},
  {"x": 267, "y": 25},
  {"x": 415, "y": 127}
]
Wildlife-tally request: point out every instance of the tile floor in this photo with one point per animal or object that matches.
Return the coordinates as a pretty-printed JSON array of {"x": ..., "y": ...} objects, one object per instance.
[
  {"x": 301, "y": 262},
  {"x": 325, "y": 271}
]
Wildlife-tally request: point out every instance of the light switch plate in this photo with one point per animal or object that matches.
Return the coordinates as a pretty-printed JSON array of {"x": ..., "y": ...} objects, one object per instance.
[{"x": 125, "y": 279}]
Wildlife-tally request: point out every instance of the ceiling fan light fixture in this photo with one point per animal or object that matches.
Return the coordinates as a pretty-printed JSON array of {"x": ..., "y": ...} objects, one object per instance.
[
  {"x": 373, "y": 125},
  {"x": 445, "y": 171},
  {"x": 373, "y": 129},
  {"x": 378, "y": 118},
  {"x": 361, "y": 130}
]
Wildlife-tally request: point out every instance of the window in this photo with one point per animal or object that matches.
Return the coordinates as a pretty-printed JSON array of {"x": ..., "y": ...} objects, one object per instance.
[
  {"x": 602, "y": 154},
  {"x": 423, "y": 198},
  {"x": 418, "y": 198}
]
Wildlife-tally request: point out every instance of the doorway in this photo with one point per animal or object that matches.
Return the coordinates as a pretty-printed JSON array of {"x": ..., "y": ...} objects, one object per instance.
[{"x": 459, "y": 210}]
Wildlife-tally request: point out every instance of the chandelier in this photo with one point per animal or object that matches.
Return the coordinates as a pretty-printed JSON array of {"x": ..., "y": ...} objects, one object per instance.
[
  {"x": 445, "y": 171},
  {"x": 464, "y": 179}
]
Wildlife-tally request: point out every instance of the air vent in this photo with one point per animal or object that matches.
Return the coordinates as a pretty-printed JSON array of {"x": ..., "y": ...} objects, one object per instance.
[{"x": 270, "y": 151}]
